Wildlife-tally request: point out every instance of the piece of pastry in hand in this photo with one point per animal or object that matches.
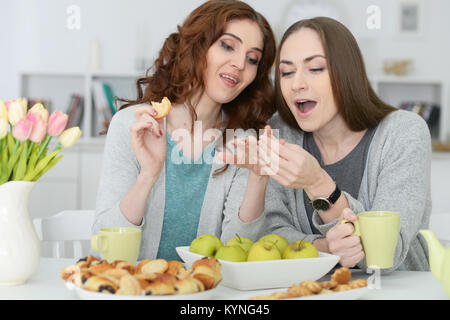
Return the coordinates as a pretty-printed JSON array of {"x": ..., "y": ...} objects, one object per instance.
[
  {"x": 100, "y": 284},
  {"x": 208, "y": 271},
  {"x": 152, "y": 266},
  {"x": 162, "y": 108},
  {"x": 129, "y": 285},
  {"x": 188, "y": 285}
]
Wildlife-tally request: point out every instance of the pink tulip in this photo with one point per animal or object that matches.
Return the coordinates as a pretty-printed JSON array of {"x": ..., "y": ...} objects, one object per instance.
[
  {"x": 39, "y": 127},
  {"x": 56, "y": 123},
  {"x": 22, "y": 129}
]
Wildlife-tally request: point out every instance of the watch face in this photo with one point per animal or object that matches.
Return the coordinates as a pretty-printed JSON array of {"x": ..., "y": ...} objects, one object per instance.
[{"x": 321, "y": 204}]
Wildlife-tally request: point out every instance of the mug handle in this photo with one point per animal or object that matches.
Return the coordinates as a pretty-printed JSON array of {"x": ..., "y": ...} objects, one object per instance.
[
  {"x": 355, "y": 223},
  {"x": 94, "y": 243}
]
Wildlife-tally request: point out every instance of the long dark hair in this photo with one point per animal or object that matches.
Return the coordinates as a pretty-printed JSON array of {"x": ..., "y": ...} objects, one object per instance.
[{"x": 356, "y": 101}]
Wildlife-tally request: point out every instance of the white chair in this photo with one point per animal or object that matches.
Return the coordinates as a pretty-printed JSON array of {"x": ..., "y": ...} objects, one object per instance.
[
  {"x": 440, "y": 224},
  {"x": 67, "y": 226}
]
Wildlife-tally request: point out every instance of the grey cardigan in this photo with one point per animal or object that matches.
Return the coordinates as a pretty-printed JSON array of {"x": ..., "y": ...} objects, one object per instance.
[
  {"x": 396, "y": 178},
  {"x": 120, "y": 168}
]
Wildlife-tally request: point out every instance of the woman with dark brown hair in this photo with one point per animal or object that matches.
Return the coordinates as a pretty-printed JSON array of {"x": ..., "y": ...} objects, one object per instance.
[
  {"x": 159, "y": 175},
  {"x": 343, "y": 151}
]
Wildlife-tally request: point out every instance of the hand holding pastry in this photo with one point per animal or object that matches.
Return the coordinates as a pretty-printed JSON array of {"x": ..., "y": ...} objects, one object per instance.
[{"x": 148, "y": 138}]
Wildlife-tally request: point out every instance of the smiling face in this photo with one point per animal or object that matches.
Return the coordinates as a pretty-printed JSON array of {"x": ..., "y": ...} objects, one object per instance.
[
  {"x": 232, "y": 61},
  {"x": 305, "y": 81}
]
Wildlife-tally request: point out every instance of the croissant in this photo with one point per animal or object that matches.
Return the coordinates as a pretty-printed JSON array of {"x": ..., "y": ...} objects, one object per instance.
[{"x": 208, "y": 271}]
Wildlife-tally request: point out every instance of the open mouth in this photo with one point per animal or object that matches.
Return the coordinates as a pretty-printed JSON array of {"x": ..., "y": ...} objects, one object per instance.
[
  {"x": 232, "y": 80},
  {"x": 305, "y": 105}
]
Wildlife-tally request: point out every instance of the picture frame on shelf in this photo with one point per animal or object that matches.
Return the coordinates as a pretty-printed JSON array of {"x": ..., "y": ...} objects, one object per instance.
[{"x": 410, "y": 19}]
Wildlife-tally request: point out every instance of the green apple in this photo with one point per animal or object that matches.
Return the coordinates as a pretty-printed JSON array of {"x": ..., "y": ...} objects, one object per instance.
[
  {"x": 244, "y": 242},
  {"x": 300, "y": 249},
  {"x": 206, "y": 245},
  {"x": 231, "y": 253},
  {"x": 263, "y": 250},
  {"x": 279, "y": 241}
]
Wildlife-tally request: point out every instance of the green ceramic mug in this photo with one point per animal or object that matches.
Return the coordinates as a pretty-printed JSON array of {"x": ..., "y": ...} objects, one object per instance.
[
  {"x": 379, "y": 231},
  {"x": 118, "y": 243}
]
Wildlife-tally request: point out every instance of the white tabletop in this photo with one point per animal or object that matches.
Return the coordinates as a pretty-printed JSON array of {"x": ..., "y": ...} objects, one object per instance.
[{"x": 47, "y": 284}]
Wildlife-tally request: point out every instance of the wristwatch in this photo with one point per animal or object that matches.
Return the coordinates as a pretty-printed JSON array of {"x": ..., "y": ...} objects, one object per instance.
[{"x": 325, "y": 204}]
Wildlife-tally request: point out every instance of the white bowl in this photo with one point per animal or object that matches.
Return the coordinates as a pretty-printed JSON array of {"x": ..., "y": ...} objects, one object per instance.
[{"x": 255, "y": 275}]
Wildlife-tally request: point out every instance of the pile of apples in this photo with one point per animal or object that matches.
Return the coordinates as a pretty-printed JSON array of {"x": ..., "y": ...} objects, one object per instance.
[{"x": 240, "y": 249}]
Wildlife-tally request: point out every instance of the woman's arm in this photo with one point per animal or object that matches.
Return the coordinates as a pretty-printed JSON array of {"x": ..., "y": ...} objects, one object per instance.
[{"x": 253, "y": 205}]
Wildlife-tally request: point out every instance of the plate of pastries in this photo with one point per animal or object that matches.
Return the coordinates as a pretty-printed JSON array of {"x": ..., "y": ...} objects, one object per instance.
[
  {"x": 95, "y": 279},
  {"x": 339, "y": 287}
]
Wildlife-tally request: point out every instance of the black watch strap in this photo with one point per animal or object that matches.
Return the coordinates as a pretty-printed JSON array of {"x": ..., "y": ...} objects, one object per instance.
[{"x": 335, "y": 195}]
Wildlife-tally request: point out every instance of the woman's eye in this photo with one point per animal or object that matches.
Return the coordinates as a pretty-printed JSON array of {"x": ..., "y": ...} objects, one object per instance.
[
  {"x": 316, "y": 70},
  {"x": 253, "y": 61},
  {"x": 285, "y": 74},
  {"x": 224, "y": 45}
]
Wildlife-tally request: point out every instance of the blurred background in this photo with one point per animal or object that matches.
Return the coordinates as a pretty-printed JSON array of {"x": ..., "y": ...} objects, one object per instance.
[{"x": 75, "y": 56}]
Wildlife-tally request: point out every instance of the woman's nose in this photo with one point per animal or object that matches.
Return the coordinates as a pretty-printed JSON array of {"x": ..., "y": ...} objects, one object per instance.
[
  {"x": 238, "y": 61},
  {"x": 299, "y": 82}
]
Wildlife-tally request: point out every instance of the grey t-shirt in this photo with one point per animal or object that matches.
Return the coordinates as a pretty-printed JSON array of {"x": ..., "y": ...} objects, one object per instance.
[{"x": 347, "y": 172}]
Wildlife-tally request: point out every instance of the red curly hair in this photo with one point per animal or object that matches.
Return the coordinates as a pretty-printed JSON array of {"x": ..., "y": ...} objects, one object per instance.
[{"x": 178, "y": 70}]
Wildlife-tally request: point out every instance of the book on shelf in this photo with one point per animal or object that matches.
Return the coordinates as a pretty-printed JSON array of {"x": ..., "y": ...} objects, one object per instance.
[
  {"x": 103, "y": 102},
  {"x": 75, "y": 111},
  {"x": 429, "y": 111}
]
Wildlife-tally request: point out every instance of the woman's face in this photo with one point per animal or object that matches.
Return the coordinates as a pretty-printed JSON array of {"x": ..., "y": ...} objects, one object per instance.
[
  {"x": 305, "y": 81},
  {"x": 232, "y": 61}
]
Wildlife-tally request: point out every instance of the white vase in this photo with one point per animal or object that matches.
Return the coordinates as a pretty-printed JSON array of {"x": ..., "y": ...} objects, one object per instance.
[{"x": 20, "y": 248}]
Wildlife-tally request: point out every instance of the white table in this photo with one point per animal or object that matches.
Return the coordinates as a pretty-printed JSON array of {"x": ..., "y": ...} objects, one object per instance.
[{"x": 46, "y": 284}]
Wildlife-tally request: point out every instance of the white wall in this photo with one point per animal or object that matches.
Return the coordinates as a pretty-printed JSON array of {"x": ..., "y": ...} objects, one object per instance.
[{"x": 35, "y": 35}]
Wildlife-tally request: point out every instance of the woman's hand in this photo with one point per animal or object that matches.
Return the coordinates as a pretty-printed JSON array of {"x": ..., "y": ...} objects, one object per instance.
[
  {"x": 246, "y": 155},
  {"x": 292, "y": 166},
  {"x": 342, "y": 243},
  {"x": 148, "y": 141}
]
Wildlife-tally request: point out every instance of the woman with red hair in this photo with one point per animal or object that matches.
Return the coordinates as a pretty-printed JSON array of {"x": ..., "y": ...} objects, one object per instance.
[{"x": 215, "y": 71}]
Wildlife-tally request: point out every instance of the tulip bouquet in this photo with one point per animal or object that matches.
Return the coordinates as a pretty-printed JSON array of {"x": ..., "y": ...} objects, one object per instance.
[{"x": 24, "y": 139}]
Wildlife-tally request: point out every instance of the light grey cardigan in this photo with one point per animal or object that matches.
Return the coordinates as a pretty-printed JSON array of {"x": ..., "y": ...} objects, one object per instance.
[
  {"x": 120, "y": 168},
  {"x": 396, "y": 178}
]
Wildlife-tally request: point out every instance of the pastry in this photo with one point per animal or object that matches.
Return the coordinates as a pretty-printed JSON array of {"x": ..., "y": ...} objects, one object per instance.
[
  {"x": 162, "y": 108},
  {"x": 129, "y": 285},
  {"x": 208, "y": 271},
  {"x": 81, "y": 277},
  {"x": 100, "y": 268},
  {"x": 188, "y": 285},
  {"x": 342, "y": 287},
  {"x": 164, "y": 284},
  {"x": 100, "y": 284},
  {"x": 341, "y": 275},
  {"x": 177, "y": 269},
  {"x": 68, "y": 272},
  {"x": 120, "y": 264},
  {"x": 87, "y": 261},
  {"x": 152, "y": 266},
  {"x": 313, "y": 286},
  {"x": 298, "y": 291},
  {"x": 359, "y": 283}
]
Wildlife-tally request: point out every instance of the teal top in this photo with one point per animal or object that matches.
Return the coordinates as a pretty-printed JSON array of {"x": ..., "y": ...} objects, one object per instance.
[{"x": 186, "y": 182}]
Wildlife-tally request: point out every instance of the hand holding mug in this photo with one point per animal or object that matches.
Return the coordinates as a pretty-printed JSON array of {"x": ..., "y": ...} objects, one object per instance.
[{"x": 343, "y": 243}]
